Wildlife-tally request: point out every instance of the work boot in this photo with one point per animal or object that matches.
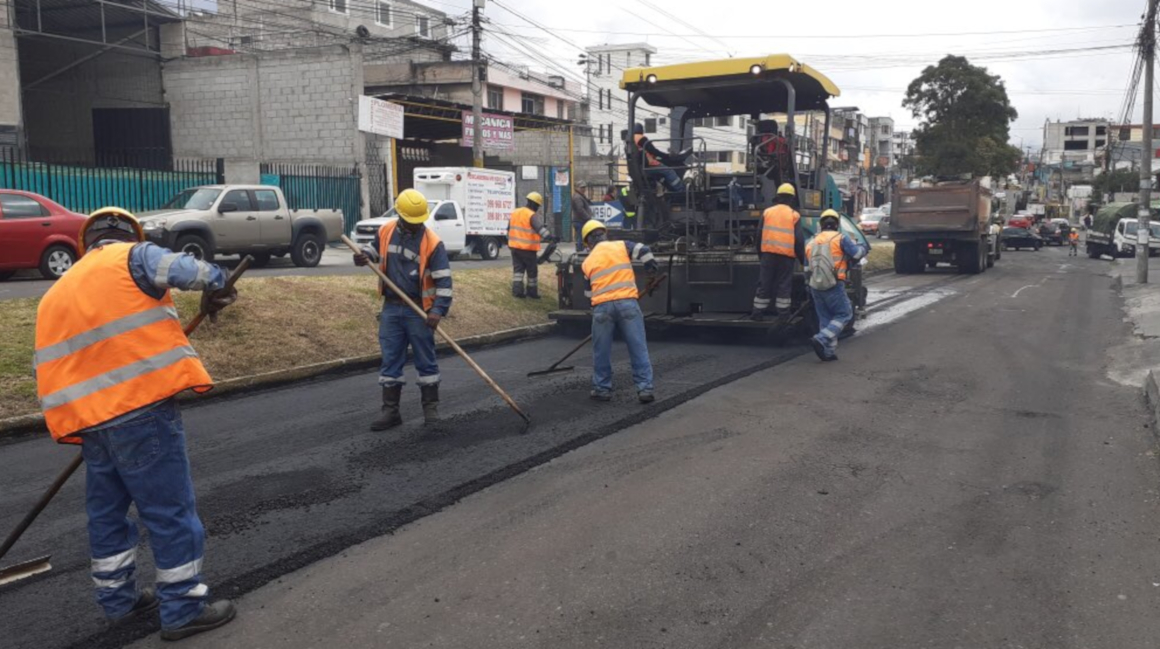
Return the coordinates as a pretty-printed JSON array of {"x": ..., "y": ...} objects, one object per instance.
[
  {"x": 819, "y": 348},
  {"x": 390, "y": 417},
  {"x": 212, "y": 616},
  {"x": 600, "y": 395},
  {"x": 757, "y": 316},
  {"x": 147, "y": 602},
  {"x": 518, "y": 290},
  {"x": 533, "y": 293},
  {"x": 430, "y": 398},
  {"x": 645, "y": 396}
]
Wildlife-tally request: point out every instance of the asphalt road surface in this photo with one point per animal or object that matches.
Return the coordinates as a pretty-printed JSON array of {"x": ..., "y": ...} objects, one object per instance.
[
  {"x": 336, "y": 260},
  {"x": 966, "y": 476}
]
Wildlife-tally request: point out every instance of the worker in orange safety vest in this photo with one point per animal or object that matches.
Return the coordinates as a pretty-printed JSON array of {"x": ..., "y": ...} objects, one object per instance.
[
  {"x": 110, "y": 358},
  {"x": 526, "y": 230},
  {"x": 612, "y": 289},
  {"x": 782, "y": 242}
]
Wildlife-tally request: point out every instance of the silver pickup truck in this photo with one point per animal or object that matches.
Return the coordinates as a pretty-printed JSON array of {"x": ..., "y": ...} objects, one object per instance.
[{"x": 241, "y": 219}]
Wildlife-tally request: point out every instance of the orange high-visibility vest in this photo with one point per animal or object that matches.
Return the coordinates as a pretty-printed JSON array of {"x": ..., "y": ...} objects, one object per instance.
[
  {"x": 104, "y": 348},
  {"x": 834, "y": 239},
  {"x": 777, "y": 230},
  {"x": 521, "y": 236},
  {"x": 1073, "y": 235},
  {"x": 426, "y": 249},
  {"x": 652, "y": 161},
  {"x": 609, "y": 271}
]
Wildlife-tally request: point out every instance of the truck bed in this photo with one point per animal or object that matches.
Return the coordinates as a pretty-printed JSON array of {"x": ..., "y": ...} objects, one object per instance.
[{"x": 949, "y": 209}]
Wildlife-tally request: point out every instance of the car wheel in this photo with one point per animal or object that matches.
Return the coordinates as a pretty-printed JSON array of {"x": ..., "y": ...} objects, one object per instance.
[
  {"x": 488, "y": 248},
  {"x": 1037, "y": 246},
  {"x": 55, "y": 261},
  {"x": 307, "y": 250},
  {"x": 192, "y": 244},
  {"x": 259, "y": 259}
]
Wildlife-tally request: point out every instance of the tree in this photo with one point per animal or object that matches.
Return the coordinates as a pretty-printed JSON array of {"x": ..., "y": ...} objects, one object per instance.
[
  {"x": 1118, "y": 180},
  {"x": 966, "y": 118}
]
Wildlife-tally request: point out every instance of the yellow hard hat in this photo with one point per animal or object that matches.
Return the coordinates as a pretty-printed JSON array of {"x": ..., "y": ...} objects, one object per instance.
[
  {"x": 412, "y": 206},
  {"x": 108, "y": 218},
  {"x": 590, "y": 227},
  {"x": 536, "y": 198},
  {"x": 787, "y": 188},
  {"x": 832, "y": 213}
]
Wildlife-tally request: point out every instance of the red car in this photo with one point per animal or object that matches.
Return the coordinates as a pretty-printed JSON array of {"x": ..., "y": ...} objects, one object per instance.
[{"x": 37, "y": 233}]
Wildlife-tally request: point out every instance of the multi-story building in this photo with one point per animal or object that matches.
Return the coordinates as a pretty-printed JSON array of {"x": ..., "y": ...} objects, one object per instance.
[
  {"x": 608, "y": 104},
  {"x": 882, "y": 142},
  {"x": 1079, "y": 142}
]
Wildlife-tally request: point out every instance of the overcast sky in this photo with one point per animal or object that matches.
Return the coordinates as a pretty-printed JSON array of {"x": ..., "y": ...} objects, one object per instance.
[{"x": 871, "y": 50}]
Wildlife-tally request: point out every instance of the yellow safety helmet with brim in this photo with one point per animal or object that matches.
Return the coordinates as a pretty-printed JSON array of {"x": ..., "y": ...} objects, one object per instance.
[
  {"x": 787, "y": 188},
  {"x": 412, "y": 206},
  {"x": 591, "y": 226},
  {"x": 830, "y": 214},
  {"x": 104, "y": 220},
  {"x": 536, "y": 198}
]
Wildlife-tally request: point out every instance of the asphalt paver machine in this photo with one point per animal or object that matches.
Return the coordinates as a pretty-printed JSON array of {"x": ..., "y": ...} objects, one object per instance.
[{"x": 707, "y": 237}]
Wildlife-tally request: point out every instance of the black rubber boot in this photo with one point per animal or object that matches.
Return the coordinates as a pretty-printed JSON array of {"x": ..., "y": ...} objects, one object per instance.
[
  {"x": 533, "y": 293},
  {"x": 212, "y": 616},
  {"x": 758, "y": 315},
  {"x": 390, "y": 417},
  {"x": 518, "y": 290},
  {"x": 147, "y": 602},
  {"x": 430, "y": 397}
]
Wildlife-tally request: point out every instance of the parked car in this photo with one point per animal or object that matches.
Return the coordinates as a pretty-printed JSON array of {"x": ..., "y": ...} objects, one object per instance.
[
  {"x": 870, "y": 221},
  {"x": 242, "y": 219},
  {"x": 1019, "y": 238},
  {"x": 884, "y": 227},
  {"x": 1021, "y": 221},
  {"x": 1052, "y": 236},
  {"x": 36, "y": 232}
]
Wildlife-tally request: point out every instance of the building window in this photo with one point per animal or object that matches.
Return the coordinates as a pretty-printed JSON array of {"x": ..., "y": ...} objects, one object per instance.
[
  {"x": 339, "y": 6},
  {"x": 495, "y": 98},
  {"x": 599, "y": 64},
  {"x": 664, "y": 121},
  {"x": 600, "y": 139},
  {"x": 1075, "y": 145},
  {"x": 559, "y": 109},
  {"x": 382, "y": 13},
  {"x": 1075, "y": 130},
  {"x": 724, "y": 120},
  {"x": 650, "y": 125},
  {"x": 1101, "y": 143},
  {"x": 600, "y": 98},
  {"x": 885, "y": 130},
  {"x": 423, "y": 26},
  {"x": 647, "y": 59},
  {"x": 1101, "y": 130},
  {"x": 531, "y": 104}
]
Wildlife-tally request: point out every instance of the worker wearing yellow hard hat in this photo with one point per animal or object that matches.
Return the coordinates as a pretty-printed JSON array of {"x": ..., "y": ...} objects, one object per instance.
[
  {"x": 608, "y": 271},
  {"x": 782, "y": 242},
  {"x": 111, "y": 356},
  {"x": 414, "y": 259},
  {"x": 526, "y": 230},
  {"x": 828, "y": 258}
]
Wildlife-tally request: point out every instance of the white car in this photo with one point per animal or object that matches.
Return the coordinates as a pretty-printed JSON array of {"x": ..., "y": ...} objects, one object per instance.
[{"x": 446, "y": 221}]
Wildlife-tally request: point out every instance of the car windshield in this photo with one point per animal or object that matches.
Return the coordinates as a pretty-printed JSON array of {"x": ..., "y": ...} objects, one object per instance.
[
  {"x": 194, "y": 199},
  {"x": 1130, "y": 229}
]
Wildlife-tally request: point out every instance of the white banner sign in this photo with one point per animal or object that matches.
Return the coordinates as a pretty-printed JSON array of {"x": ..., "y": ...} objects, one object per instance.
[{"x": 380, "y": 117}]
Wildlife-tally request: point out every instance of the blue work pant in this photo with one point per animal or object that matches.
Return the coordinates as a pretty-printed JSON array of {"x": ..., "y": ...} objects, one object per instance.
[
  {"x": 834, "y": 313},
  {"x": 143, "y": 462},
  {"x": 672, "y": 181},
  {"x": 399, "y": 327},
  {"x": 625, "y": 316}
]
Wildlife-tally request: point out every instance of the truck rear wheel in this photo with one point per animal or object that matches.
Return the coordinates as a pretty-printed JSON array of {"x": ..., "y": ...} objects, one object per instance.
[
  {"x": 488, "y": 248},
  {"x": 970, "y": 259},
  {"x": 906, "y": 259},
  {"x": 307, "y": 250}
]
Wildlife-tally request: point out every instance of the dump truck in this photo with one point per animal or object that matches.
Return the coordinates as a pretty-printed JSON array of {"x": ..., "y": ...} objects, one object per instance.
[{"x": 948, "y": 222}]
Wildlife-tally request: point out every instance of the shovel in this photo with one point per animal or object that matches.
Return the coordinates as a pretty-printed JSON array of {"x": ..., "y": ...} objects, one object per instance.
[
  {"x": 26, "y": 569},
  {"x": 555, "y": 368}
]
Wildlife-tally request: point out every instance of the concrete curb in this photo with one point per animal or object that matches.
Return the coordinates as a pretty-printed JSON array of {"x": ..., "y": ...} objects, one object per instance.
[
  {"x": 266, "y": 380},
  {"x": 1152, "y": 396}
]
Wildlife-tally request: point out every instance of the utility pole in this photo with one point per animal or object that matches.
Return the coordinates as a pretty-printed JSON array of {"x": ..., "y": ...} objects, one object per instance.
[
  {"x": 476, "y": 84},
  {"x": 1148, "y": 52}
]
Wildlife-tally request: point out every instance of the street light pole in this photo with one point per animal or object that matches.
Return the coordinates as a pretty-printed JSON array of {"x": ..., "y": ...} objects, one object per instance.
[
  {"x": 1143, "y": 225},
  {"x": 476, "y": 84}
]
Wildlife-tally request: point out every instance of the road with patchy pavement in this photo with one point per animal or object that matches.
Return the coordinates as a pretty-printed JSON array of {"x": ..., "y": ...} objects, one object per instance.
[{"x": 966, "y": 476}]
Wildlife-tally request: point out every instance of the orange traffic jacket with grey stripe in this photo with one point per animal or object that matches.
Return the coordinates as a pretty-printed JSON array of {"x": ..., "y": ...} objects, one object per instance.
[{"x": 635, "y": 251}]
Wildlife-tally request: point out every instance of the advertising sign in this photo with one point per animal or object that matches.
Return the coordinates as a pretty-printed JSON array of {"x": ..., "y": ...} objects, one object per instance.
[
  {"x": 498, "y": 131},
  {"x": 491, "y": 199},
  {"x": 380, "y": 117}
]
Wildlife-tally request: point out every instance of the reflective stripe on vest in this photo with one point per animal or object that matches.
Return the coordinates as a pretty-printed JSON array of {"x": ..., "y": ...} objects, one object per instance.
[
  {"x": 609, "y": 271},
  {"x": 104, "y": 348},
  {"x": 426, "y": 249},
  {"x": 652, "y": 161},
  {"x": 834, "y": 239},
  {"x": 521, "y": 236},
  {"x": 777, "y": 231}
]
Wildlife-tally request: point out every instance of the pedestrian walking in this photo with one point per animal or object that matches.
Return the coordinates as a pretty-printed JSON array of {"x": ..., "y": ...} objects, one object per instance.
[
  {"x": 415, "y": 259},
  {"x": 827, "y": 257},
  {"x": 612, "y": 288},
  {"x": 111, "y": 356},
  {"x": 782, "y": 242},
  {"x": 1073, "y": 241},
  {"x": 526, "y": 230}
]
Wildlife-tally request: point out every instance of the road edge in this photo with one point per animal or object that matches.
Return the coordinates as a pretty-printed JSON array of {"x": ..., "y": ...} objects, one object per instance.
[{"x": 32, "y": 423}]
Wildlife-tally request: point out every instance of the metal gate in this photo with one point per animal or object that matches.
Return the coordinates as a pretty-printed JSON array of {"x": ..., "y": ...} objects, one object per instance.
[{"x": 378, "y": 181}]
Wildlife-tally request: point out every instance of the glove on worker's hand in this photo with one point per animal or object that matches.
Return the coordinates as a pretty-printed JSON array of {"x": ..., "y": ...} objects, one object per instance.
[
  {"x": 366, "y": 256},
  {"x": 651, "y": 267},
  {"x": 213, "y": 302}
]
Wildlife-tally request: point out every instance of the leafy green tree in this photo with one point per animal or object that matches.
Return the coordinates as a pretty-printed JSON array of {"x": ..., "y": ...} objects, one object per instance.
[
  {"x": 966, "y": 118},
  {"x": 1119, "y": 180}
]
